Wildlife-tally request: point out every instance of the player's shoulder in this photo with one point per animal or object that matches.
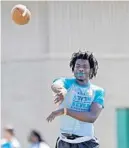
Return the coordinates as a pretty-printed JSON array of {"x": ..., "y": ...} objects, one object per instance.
[
  {"x": 72, "y": 79},
  {"x": 3, "y": 141},
  {"x": 65, "y": 79},
  {"x": 97, "y": 88},
  {"x": 67, "y": 82}
]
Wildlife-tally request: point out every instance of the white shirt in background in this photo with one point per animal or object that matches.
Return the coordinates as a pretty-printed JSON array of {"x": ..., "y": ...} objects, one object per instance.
[
  {"x": 41, "y": 145},
  {"x": 15, "y": 143}
]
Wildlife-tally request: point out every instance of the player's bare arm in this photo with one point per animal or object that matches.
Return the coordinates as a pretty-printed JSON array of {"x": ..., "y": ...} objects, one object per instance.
[{"x": 90, "y": 116}]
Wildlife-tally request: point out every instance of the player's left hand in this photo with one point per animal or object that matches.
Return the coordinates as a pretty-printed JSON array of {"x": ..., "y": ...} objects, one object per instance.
[{"x": 54, "y": 114}]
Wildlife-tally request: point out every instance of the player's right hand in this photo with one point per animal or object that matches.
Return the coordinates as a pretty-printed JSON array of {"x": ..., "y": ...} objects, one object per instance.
[{"x": 59, "y": 97}]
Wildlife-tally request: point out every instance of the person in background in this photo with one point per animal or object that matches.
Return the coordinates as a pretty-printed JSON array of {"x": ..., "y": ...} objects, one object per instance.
[
  {"x": 36, "y": 140},
  {"x": 9, "y": 140}
]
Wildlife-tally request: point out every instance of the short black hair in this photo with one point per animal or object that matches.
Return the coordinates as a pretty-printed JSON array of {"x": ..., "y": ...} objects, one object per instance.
[{"x": 86, "y": 55}]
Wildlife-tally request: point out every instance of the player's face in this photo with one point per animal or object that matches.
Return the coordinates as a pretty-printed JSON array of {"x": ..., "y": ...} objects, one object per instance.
[
  {"x": 7, "y": 135},
  {"x": 82, "y": 69},
  {"x": 33, "y": 138}
]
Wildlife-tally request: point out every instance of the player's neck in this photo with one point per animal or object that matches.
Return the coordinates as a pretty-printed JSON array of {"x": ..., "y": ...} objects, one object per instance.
[
  {"x": 9, "y": 139},
  {"x": 85, "y": 82}
]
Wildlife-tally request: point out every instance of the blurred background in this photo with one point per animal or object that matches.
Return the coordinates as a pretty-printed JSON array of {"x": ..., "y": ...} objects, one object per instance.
[{"x": 35, "y": 54}]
